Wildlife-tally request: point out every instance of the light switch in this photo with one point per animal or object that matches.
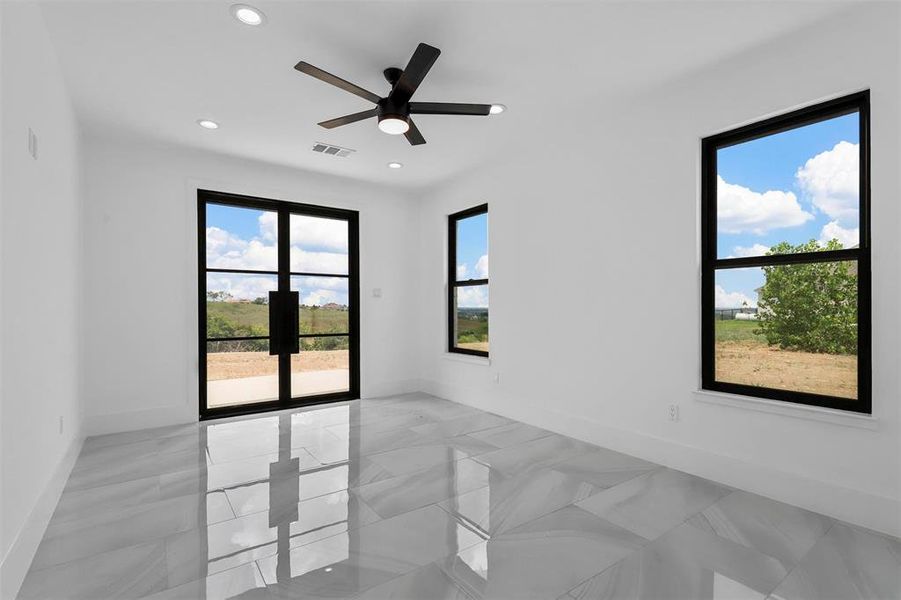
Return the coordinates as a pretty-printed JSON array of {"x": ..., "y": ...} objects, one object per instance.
[{"x": 32, "y": 144}]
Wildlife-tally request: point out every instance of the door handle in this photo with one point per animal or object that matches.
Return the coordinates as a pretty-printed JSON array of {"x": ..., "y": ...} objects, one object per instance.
[
  {"x": 292, "y": 326},
  {"x": 275, "y": 318},
  {"x": 284, "y": 322}
]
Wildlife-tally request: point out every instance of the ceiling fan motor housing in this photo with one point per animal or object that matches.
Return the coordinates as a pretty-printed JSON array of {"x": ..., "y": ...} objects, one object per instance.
[
  {"x": 392, "y": 74},
  {"x": 393, "y": 110}
]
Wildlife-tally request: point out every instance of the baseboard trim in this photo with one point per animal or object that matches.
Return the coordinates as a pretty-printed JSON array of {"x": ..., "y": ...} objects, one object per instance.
[
  {"x": 149, "y": 418},
  {"x": 872, "y": 511},
  {"x": 391, "y": 388},
  {"x": 18, "y": 559},
  {"x": 181, "y": 414}
]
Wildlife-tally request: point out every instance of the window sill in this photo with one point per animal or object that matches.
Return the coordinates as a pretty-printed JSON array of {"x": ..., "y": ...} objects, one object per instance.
[
  {"x": 468, "y": 358},
  {"x": 800, "y": 411}
]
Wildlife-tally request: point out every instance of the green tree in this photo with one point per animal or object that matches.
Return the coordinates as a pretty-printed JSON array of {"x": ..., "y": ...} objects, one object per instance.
[{"x": 812, "y": 306}]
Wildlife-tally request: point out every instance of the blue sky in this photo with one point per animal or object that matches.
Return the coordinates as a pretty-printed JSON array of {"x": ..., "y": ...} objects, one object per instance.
[
  {"x": 472, "y": 245},
  {"x": 241, "y": 222},
  {"x": 794, "y": 186},
  {"x": 472, "y": 260},
  {"x": 242, "y": 238}
]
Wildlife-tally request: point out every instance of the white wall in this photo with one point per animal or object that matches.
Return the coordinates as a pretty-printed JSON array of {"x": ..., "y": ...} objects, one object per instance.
[
  {"x": 40, "y": 270},
  {"x": 140, "y": 309},
  {"x": 600, "y": 209}
]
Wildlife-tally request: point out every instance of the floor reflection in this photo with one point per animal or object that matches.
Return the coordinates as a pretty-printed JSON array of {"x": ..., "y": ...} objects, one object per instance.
[
  {"x": 415, "y": 497},
  {"x": 301, "y": 518}
]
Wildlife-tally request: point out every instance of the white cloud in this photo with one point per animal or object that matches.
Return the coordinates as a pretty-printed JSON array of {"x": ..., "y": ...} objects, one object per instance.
[
  {"x": 742, "y": 210},
  {"x": 831, "y": 179},
  {"x": 308, "y": 232},
  {"x": 219, "y": 241},
  {"x": 475, "y": 296},
  {"x": 320, "y": 290},
  {"x": 320, "y": 297},
  {"x": 318, "y": 262},
  {"x": 269, "y": 226},
  {"x": 482, "y": 267},
  {"x": 242, "y": 287},
  {"x": 328, "y": 283},
  {"x": 754, "y": 250},
  {"x": 313, "y": 290},
  {"x": 726, "y": 299},
  {"x": 848, "y": 237},
  {"x": 461, "y": 271},
  {"x": 227, "y": 251}
]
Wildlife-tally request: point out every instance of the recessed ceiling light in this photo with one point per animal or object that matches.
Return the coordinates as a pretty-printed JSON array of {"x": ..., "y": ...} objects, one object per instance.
[
  {"x": 248, "y": 14},
  {"x": 208, "y": 124},
  {"x": 496, "y": 109},
  {"x": 395, "y": 165}
]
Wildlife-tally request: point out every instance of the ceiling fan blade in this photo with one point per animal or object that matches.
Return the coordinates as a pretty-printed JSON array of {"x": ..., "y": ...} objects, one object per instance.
[
  {"x": 420, "y": 63},
  {"x": 413, "y": 136},
  {"x": 448, "y": 108},
  {"x": 347, "y": 119},
  {"x": 336, "y": 81}
]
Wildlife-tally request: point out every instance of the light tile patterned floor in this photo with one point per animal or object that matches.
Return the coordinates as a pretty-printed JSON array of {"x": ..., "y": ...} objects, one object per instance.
[{"x": 413, "y": 497}]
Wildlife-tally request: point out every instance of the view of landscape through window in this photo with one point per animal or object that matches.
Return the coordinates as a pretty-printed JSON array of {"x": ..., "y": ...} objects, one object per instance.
[
  {"x": 793, "y": 326},
  {"x": 246, "y": 239},
  {"x": 471, "y": 300}
]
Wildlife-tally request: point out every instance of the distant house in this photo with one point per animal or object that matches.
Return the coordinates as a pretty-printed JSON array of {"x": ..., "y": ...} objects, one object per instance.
[{"x": 334, "y": 306}]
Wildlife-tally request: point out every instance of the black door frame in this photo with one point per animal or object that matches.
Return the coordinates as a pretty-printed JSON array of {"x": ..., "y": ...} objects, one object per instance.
[{"x": 284, "y": 209}]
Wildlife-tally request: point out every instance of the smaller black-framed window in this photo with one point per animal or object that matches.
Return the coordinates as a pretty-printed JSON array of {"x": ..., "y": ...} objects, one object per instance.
[
  {"x": 467, "y": 282},
  {"x": 786, "y": 257}
]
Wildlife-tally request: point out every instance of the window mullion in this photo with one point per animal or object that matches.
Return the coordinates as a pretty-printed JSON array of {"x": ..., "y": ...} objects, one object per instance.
[{"x": 848, "y": 254}]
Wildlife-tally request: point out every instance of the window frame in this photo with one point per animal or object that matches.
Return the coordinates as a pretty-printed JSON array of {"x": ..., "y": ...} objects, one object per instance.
[
  {"x": 453, "y": 284},
  {"x": 284, "y": 209},
  {"x": 854, "y": 103}
]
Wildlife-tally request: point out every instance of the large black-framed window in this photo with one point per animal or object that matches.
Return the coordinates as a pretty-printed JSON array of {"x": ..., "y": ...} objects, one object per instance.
[
  {"x": 467, "y": 281},
  {"x": 278, "y": 304},
  {"x": 786, "y": 257}
]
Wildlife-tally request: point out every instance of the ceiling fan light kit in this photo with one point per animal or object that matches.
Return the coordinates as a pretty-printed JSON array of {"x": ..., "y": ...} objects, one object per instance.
[
  {"x": 394, "y": 119},
  {"x": 394, "y": 110},
  {"x": 393, "y": 125}
]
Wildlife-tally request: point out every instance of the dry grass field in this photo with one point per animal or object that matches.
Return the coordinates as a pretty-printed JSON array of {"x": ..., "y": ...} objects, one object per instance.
[
  {"x": 238, "y": 365},
  {"x": 483, "y": 346},
  {"x": 753, "y": 363},
  {"x": 744, "y": 357}
]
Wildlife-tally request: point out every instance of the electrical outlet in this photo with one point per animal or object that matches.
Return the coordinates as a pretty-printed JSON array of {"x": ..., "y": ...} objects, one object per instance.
[
  {"x": 376, "y": 292},
  {"x": 673, "y": 412},
  {"x": 61, "y": 425}
]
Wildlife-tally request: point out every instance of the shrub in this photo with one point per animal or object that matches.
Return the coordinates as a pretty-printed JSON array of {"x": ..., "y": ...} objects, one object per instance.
[{"x": 810, "y": 307}]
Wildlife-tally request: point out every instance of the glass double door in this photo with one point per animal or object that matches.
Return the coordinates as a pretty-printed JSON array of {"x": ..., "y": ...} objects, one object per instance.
[{"x": 278, "y": 304}]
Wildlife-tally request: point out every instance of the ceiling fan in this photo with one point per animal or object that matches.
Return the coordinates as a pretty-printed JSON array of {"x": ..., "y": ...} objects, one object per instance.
[{"x": 394, "y": 110}]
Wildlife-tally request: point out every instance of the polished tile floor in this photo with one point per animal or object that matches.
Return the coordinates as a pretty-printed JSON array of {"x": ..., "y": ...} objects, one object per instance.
[{"x": 413, "y": 497}]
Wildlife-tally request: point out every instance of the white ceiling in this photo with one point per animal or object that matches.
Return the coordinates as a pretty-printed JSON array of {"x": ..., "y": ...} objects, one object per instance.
[{"x": 150, "y": 69}]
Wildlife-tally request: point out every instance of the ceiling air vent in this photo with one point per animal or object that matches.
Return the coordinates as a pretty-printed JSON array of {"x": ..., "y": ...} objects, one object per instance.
[{"x": 332, "y": 150}]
